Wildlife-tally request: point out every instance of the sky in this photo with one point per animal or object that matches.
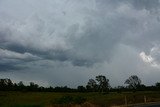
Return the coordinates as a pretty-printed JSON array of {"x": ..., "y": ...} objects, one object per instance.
[{"x": 67, "y": 42}]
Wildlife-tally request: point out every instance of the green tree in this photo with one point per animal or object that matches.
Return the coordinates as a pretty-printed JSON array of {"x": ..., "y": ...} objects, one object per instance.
[
  {"x": 157, "y": 85},
  {"x": 21, "y": 86},
  {"x": 81, "y": 89},
  {"x": 103, "y": 83},
  {"x": 91, "y": 85},
  {"x": 6, "y": 84},
  {"x": 33, "y": 86},
  {"x": 133, "y": 82}
]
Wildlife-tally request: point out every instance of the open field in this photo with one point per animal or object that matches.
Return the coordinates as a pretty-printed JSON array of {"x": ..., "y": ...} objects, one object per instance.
[{"x": 46, "y": 99}]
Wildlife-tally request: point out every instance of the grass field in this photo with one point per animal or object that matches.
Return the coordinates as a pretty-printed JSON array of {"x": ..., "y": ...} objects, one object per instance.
[{"x": 44, "y": 99}]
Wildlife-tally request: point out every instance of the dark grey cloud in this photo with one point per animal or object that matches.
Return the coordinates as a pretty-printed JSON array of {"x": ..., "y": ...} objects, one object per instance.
[
  {"x": 88, "y": 41},
  {"x": 10, "y": 67},
  {"x": 10, "y": 60},
  {"x": 145, "y": 4},
  {"x": 86, "y": 38},
  {"x": 137, "y": 4}
]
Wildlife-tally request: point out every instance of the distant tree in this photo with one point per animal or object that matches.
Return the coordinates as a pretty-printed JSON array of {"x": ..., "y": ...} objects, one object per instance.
[
  {"x": 81, "y": 89},
  {"x": 50, "y": 89},
  {"x": 21, "y": 86},
  {"x": 103, "y": 83},
  {"x": 6, "y": 84},
  {"x": 33, "y": 86},
  {"x": 141, "y": 87},
  {"x": 157, "y": 85},
  {"x": 20, "y": 83},
  {"x": 91, "y": 85},
  {"x": 63, "y": 89},
  {"x": 120, "y": 89},
  {"x": 133, "y": 82},
  {"x": 15, "y": 87},
  {"x": 9, "y": 84},
  {"x": 41, "y": 88}
]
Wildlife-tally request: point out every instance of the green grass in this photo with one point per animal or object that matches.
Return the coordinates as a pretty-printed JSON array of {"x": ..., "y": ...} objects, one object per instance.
[{"x": 42, "y": 99}]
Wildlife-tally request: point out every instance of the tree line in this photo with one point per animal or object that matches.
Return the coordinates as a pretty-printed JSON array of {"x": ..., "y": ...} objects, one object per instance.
[{"x": 99, "y": 84}]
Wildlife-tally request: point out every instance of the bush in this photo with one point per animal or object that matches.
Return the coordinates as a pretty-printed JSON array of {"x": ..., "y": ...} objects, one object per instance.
[
  {"x": 70, "y": 100},
  {"x": 79, "y": 100},
  {"x": 65, "y": 100}
]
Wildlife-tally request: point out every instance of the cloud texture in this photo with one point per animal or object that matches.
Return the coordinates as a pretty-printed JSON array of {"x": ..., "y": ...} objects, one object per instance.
[{"x": 55, "y": 40}]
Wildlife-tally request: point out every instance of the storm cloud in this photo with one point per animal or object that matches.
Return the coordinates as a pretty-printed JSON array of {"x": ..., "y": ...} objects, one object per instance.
[{"x": 61, "y": 41}]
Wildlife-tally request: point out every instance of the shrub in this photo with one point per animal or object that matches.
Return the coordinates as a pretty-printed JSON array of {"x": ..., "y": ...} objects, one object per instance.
[
  {"x": 79, "y": 100},
  {"x": 65, "y": 100},
  {"x": 70, "y": 100}
]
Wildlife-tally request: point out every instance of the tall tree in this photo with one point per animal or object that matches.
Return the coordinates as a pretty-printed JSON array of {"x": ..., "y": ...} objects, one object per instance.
[
  {"x": 91, "y": 85},
  {"x": 158, "y": 84},
  {"x": 21, "y": 86},
  {"x": 133, "y": 82},
  {"x": 33, "y": 86},
  {"x": 103, "y": 83},
  {"x": 5, "y": 84},
  {"x": 81, "y": 89}
]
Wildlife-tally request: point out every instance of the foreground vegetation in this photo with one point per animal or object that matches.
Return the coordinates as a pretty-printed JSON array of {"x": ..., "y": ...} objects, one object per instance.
[
  {"x": 46, "y": 99},
  {"x": 97, "y": 92}
]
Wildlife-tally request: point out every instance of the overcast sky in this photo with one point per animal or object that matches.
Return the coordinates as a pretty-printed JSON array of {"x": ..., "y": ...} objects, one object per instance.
[{"x": 67, "y": 42}]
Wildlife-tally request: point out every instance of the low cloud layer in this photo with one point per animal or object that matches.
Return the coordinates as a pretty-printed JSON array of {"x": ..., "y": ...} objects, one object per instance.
[{"x": 84, "y": 38}]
